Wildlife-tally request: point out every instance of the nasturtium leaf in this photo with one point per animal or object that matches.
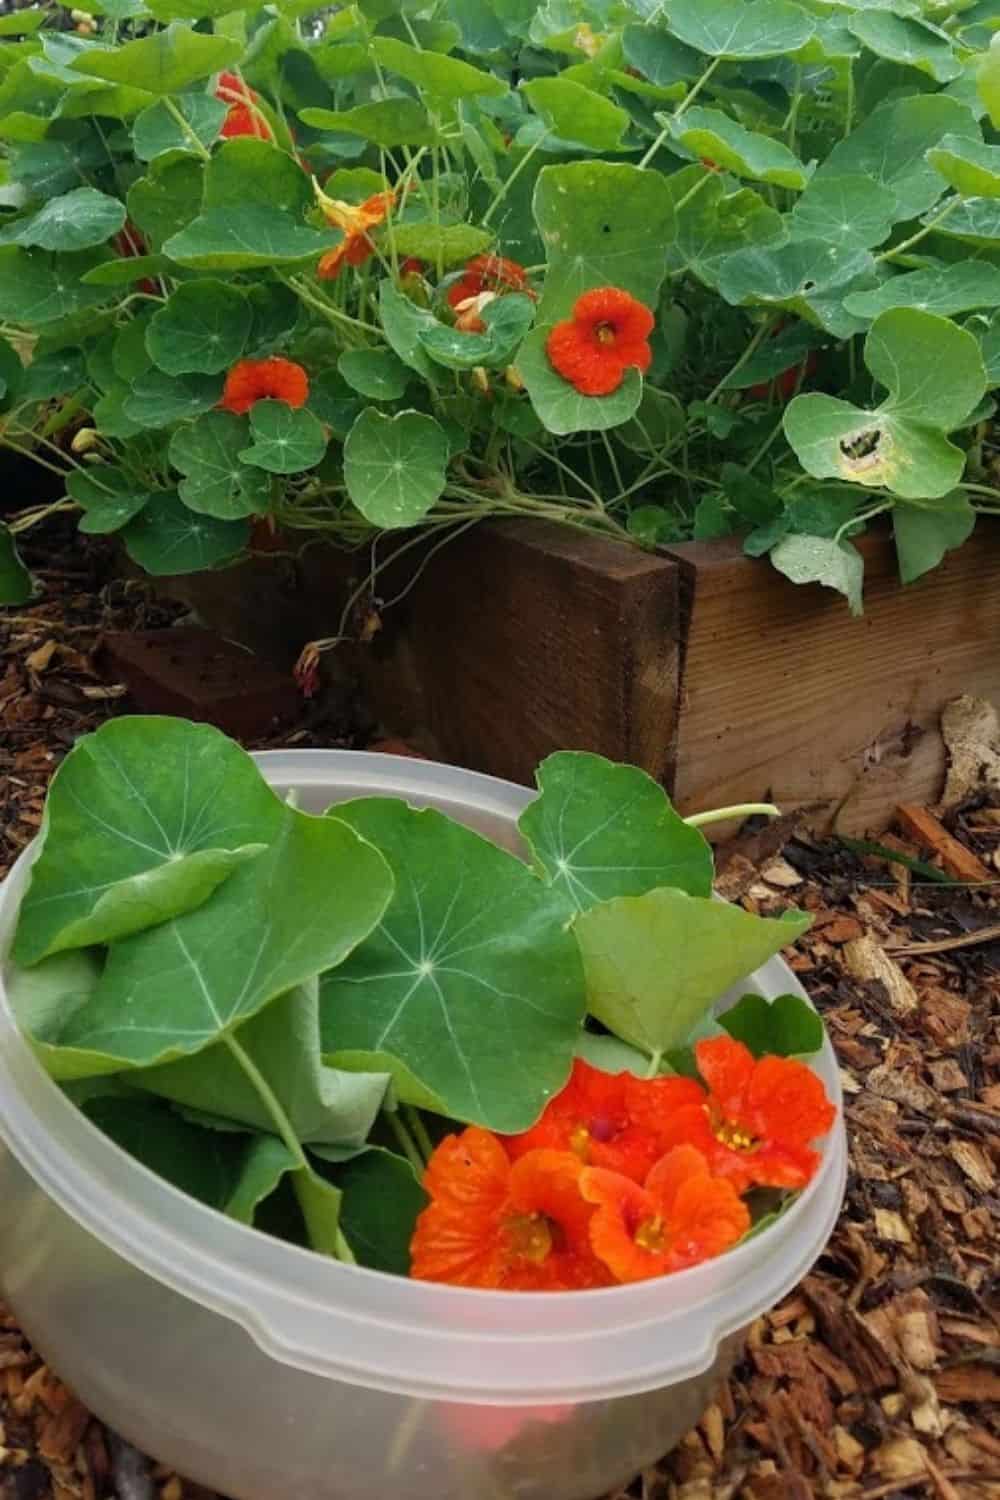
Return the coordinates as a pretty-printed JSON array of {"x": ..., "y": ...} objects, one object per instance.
[
  {"x": 975, "y": 221},
  {"x": 402, "y": 324},
  {"x": 165, "y": 62},
  {"x": 39, "y": 287},
  {"x": 659, "y": 57},
  {"x": 109, "y": 498},
  {"x": 784, "y": 1027},
  {"x": 265, "y": 1162},
  {"x": 108, "y": 413},
  {"x": 924, "y": 533},
  {"x": 436, "y": 76},
  {"x": 471, "y": 981},
  {"x": 157, "y": 129},
  {"x": 144, "y": 819},
  {"x": 248, "y": 172},
  {"x": 714, "y": 223},
  {"x": 284, "y": 440},
  {"x": 892, "y": 143},
  {"x": 988, "y": 82},
  {"x": 610, "y": 1055},
  {"x": 129, "y": 356},
  {"x": 807, "y": 277},
  {"x": 51, "y": 167},
  {"x": 333, "y": 402},
  {"x": 656, "y": 963},
  {"x": 507, "y": 320},
  {"x": 55, "y": 373},
  {"x": 243, "y": 239},
  {"x": 217, "y": 482},
  {"x": 378, "y": 374},
  {"x": 575, "y": 113},
  {"x": 853, "y": 210},
  {"x": 451, "y": 244},
  {"x": 125, "y": 270},
  {"x": 960, "y": 287},
  {"x": 313, "y": 894},
  {"x": 934, "y": 374},
  {"x": 740, "y": 29},
  {"x": 23, "y": 22},
  {"x": 598, "y": 830},
  {"x": 201, "y": 330},
  {"x": 15, "y": 580},
  {"x": 789, "y": 347},
  {"x": 814, "y": 559},
  {"x": 43, "y": 996},
  {"x": 381, "y": 1201},
  {"x": 560, "y": 406},
  {"x": 166, "y": 199},
  {"x": 319, "y": 1202},
  {"x": 602, "y": 224},
  {"x": 77, "y": 220},
  {"x": 904, "y": 40},
  {"x": 971, "y": 168},
  {"x": 276, "y": 310},
  {"x": 156, "y": 400},
  {"x": 714, "y": 135},
  {"x": 400, "y": 121},
  {"x": 395, "y": 468},
  {"x": 168, "y": 538},
  {"x": 323, "y": 1106}
]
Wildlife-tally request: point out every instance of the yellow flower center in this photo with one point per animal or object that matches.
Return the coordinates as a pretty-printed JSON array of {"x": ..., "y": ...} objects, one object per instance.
[
  {"x": 605, "y": 333},
  {"x": 531, "y": 1236},
  {"x": 735, "y": 1137},
  {"x": 651, "y": 1235},
  {"x": 579, "y": 1142}
]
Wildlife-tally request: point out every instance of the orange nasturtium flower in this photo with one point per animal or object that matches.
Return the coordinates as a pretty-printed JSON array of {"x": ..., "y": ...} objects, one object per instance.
[
  {"x": 611, "y": 1120},
  {"x": 243, "y": 117},
  {"x": 757, "y": 1123},
  {"x": 503, "y": 1226},
  {"x": 605, "y": 336},
  {"x": 488, "y": 273},
  {"x": 681, "y": 1216},
  {"x": 354, "y": 220},
  {"x": 273, "y": 379}
]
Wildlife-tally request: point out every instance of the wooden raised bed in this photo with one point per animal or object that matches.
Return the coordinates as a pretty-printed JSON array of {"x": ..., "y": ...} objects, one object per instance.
[{"x": 722, "y": 679}]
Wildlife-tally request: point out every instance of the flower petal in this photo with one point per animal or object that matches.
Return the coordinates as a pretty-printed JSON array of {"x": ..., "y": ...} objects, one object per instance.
[{"x": 727, "y": 1067}]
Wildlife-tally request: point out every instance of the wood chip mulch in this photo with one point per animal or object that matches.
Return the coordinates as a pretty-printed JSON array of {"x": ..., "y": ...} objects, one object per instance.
[{"x": 878, "y": 1378}]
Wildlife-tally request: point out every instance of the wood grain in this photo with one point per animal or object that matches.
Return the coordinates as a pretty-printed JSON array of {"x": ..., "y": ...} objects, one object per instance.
[{"x": 786, "y": 696}]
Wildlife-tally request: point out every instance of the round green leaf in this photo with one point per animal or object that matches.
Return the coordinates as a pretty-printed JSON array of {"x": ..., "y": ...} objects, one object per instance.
[
  {"x": 75, "y": 221},
  {"x": 168, "y": 538},
  {"x": 388, "y": 123},
  {"x": 955, "y": 288},
  {"x": 54, "y": 374},
  {"x": 924, "y": 533},
  {"x": 807, "y": 277},
  {"x": 906, "y": 41},
  {"x": 815, "y": 559},
  {"x": 561, "y": 407},
  {"x": 852, "y": 210},
  {"x": 376, "y": 373},
  {"x": 208, "y": 453},
  {"x": 712, "y": 134},
  {"x": 603, "y": 224},
  {"x": 471, "y": 985},
  {"x": 452, "y": 244},
  {"x": 158, "y": 401},
  {"x": 437, "y": 76},
  {"x": 784, "y": 1027},
  {"x": 575, "y": 113},
  {"x": 740, "y": 29},
  {"x": 15, "y": 580},
  {"x": 395, "y": 467},
  {"x": 107, "y": 495},
  {"x": 37, "y": 287},
  {"x": 165, "y": 62},
  {"x": 971, "y": 168},
  {"x": 201, "y": 330},
  {"x": 144, "y": 819},
  {"x": 244, "y": 239},
  {"x": 166, "y": 199},
  {"x": 507, "y": 320},
  {"x": 598, "y": 830},
  {"x": 285, "y": 441},
  {"x": 157, "y": 130},
  {"x": 125, "y": 270}
]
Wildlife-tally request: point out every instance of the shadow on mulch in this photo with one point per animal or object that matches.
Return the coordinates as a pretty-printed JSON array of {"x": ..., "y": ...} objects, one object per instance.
[{"x": 876, "y": 1379}]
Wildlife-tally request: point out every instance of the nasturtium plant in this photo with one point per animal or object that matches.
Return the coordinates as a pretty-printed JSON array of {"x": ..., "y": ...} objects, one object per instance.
[
  {"x": 382, "y": 225},
  {"x": 287, "y": 1016}
]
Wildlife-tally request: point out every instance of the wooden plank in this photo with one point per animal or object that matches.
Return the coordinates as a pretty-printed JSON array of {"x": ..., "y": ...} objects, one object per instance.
[
  {"x": 786, "y": 696},
  {"x": 959, "y": 861}
]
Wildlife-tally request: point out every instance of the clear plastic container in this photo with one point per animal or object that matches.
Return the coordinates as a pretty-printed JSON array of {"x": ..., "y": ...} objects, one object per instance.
[{"x": 262, "y": 1370}]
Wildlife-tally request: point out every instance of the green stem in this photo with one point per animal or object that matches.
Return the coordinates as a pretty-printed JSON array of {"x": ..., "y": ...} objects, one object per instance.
[
  {"x": 751, "y": 348},
  {"x": 33, "y": 517},
  {"x": 691, "y": 95},
  {"x": 654, "y": 1064},
  {"x": 419, "y": 1132},
  {"x": 742, "y": 810},
  {"x": 692, "y": 192},
  {"x": 406, "y": 1142},
  {"x": 282, "y": 1124},
  {"x": 510, "y": 181},
  {"x": 187, "y": 128},
  {"x": 921, "y": 234}
]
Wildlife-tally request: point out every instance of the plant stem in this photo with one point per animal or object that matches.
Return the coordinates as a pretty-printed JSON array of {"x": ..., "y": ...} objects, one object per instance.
[
  {"x": 510, "y": 181},
  {"x": 741, "y": 810},
  {"x": 187, "y": 128},
  {"x": 921, "y": 234},
  {"x": 419, "y": 1132},
  {"x": 654, "y": 1064},
  {"x": 750, "y": 349},
  {"x": 691, "y": 95},
  {"x": 406, "y": 1142}
]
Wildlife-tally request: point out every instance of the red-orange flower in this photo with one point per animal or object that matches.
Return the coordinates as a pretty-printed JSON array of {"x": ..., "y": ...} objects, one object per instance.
[
  {"x": 757, "y": 1122},
  {"x": 273, "y": 379},
  {"x": 612, "y": 1120},
  {"x": 681, "y": 1216},
  {"x": 354, "y": 220},
  {"x": 411, "y": 266},
  {"x": 244, "y": 118},
  {"x": 489, "y": 273},
  {"x": 520, "y": 1227},
  {"x": 605, "y": 336}
]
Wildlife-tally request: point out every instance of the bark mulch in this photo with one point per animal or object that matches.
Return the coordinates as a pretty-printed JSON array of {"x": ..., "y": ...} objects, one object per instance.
[{"x": 876, "y": 1379}]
